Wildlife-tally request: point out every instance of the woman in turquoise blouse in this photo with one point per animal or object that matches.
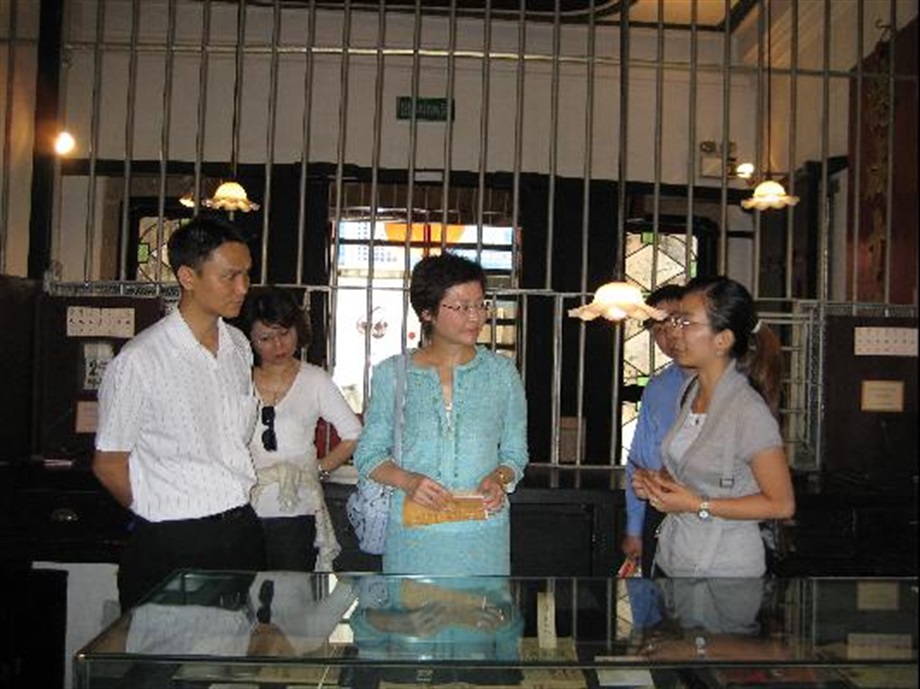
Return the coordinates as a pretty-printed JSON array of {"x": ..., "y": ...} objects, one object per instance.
[{"x": 464, "y": 429}]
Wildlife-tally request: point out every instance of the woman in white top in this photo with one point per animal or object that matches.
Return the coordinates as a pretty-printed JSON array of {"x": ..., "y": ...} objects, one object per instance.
[{"x": 293, "y": 396}]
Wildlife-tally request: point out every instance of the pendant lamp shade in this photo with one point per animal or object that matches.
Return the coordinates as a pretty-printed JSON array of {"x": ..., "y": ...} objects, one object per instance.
[
  {"x": 230, "y": 196},
  {"x": 769, "y": 194},
  {"x": 616, "y": 301}
]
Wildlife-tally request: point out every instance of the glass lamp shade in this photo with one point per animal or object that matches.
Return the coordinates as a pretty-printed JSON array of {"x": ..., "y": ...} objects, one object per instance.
[
  {"x": 615, "y": 301},
  {"x": 230, "y": 196},
  {"x": 769, "y": 194}
]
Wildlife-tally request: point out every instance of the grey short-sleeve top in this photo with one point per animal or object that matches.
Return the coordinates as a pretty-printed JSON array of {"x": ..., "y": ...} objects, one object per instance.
[{"x": 738, "y": 426}]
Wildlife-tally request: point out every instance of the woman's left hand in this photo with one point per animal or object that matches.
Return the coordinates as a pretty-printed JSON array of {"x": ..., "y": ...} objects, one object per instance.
[{"x": 493, "y": 492}]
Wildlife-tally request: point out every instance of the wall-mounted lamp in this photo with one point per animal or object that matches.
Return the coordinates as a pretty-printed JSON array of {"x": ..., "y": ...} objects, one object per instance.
[
  {"x": 711, "y": 162},
  {"x": 744, "y": 170},
  {"x": 64, "y": 143}
]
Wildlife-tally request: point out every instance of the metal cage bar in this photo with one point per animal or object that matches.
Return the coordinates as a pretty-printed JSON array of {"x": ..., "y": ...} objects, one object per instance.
[
  {"x": 272, "y": 121},
  {"x": 513, "y": 47},
  {"x": 9, "y": 78},
  {"x": 94, "y": 143}
]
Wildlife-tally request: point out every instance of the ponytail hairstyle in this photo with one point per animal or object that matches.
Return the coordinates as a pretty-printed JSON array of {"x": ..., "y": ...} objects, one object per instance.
[{"x": 756, "y": 349}]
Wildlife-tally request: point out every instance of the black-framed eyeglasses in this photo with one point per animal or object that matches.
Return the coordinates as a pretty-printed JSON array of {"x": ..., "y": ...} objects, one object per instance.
[
  {"x": 682, "y": 322},
  {"x": 478, "y": 309},
  {"x": 269, "y": 439}
]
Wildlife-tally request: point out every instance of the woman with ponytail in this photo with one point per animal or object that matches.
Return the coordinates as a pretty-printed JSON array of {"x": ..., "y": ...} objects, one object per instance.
[{"x": 725, "y": 469}]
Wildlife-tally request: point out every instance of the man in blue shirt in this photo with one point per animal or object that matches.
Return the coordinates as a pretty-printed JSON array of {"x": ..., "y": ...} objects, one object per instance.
[{"x": 657, "y": 412}]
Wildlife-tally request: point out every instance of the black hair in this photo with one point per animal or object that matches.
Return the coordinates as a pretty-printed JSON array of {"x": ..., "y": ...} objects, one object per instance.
[
  {"x": 661, "y": 294},
  {"x": 275, "y": 306},
  {"x": 756, "y": 349},
  {"x": 433, "y": 276},
  {"x": 665, "y": 293},
  {"x": 194, "y": 242}
]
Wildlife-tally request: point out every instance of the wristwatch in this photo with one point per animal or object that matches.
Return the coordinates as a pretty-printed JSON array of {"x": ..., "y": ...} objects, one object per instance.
[{"x": 704, "y": 511}]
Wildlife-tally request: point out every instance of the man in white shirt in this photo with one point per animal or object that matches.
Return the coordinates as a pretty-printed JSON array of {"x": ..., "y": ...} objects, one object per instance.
[{"x": 176, "y": 411}]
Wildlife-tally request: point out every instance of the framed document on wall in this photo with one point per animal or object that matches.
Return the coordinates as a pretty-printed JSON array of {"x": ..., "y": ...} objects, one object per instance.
[{"x": 77, "y": 338}]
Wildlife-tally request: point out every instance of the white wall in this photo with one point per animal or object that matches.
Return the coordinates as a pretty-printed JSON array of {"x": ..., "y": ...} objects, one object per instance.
[
  {"x": 813, "y": 114},
  {"x": 327, "y": 94},
  {"x": 535, "y": 126}
]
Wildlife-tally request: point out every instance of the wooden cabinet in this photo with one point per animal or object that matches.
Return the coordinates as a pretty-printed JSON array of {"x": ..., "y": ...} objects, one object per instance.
[
  {"x": 64, "y": 515},
  {"x": 842, "y": 529},
  {"x": 59, "y": 515},
  {"x": 554, "y": 532}
]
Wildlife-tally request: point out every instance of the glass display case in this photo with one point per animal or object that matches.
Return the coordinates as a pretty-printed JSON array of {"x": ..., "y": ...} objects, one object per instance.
[{"x": 222, "y": 630}]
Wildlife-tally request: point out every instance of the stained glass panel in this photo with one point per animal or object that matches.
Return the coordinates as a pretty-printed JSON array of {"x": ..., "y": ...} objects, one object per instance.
[{"x": 649, "y": 266}]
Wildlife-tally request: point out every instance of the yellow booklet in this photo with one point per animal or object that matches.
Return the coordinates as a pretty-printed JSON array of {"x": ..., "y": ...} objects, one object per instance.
[{"x": 462, "y": 507}]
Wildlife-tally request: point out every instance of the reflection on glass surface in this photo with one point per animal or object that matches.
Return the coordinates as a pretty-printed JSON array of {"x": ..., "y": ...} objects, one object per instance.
[
  {"x": 443, "y": 618},
  {"x": 702, "y": 619},
  {"x": 367, "y": 630},
  {"x": 262, "y": 614}
]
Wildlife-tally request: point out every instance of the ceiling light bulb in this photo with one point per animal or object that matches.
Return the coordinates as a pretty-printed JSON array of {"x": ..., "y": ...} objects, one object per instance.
[
  {"x": 64, "y": 143},
  {"x": 769, "y": 194},
  {"x": 744, "y": 170}
]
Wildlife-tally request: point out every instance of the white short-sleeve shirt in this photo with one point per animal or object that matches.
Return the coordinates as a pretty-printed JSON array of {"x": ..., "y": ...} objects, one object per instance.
[{"x": 185, "y": 416}]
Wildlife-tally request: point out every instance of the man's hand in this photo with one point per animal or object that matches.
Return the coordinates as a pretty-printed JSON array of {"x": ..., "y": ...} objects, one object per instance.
[{"x": 632, "y": 547}]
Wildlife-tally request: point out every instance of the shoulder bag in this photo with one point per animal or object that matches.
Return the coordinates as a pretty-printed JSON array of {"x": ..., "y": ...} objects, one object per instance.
[{"x": 368, "y": 508}]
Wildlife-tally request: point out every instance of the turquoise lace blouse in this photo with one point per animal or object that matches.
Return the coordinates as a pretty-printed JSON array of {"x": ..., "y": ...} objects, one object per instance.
[{"x": 486, "y": 426}]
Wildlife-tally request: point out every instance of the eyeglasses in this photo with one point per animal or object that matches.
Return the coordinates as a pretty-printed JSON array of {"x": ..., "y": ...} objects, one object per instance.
[
  {"x": 273, "y": 335},
  {"x": 682, "y": 322},
  {"x": 477, "y": 308},
  {"x": 269, "y": 439}
]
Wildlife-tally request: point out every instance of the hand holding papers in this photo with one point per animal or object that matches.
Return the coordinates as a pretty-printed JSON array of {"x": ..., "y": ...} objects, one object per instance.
[{"x": 462, "y": 507}]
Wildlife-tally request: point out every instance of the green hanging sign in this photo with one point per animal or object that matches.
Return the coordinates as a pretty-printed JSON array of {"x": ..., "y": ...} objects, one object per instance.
[{"x": 426, "y": 109}]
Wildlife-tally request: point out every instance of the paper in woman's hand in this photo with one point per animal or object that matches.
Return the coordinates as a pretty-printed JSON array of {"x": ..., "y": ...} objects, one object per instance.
[{"x": 461, "y": 507}]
